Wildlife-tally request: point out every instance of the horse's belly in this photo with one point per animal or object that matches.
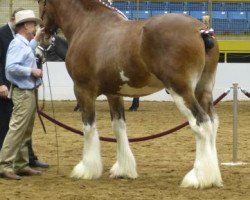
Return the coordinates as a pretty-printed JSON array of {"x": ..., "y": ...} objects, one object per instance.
[{"x": 153, "y": 85}]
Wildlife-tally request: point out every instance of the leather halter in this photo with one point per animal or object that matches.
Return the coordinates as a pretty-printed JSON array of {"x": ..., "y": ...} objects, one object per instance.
[
  {"x": 51, "y": 31},
  {"x": 44, "y": 8}
]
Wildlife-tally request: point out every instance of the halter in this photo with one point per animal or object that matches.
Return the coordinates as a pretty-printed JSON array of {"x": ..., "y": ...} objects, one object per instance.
[{"x": 44, "y": 8}]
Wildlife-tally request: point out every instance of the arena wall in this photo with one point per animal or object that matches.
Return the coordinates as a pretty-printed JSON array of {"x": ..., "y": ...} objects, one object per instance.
[{"x": 62, "y": 85}]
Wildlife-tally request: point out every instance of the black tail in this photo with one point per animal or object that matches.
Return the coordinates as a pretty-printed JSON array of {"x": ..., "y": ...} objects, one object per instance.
[{"x": 208, "y": 37}]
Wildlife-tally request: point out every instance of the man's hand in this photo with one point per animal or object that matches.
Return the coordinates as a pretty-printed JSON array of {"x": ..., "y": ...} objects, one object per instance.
[
  {"x": 4, "y": 91},
  {"x": 39, "y": 33},
  {"x": 38, "y": 73}
]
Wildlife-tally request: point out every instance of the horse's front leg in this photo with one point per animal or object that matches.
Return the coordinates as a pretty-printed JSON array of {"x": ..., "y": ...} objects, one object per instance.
[
  {"x": 125, "y": 166},
  {"x": 90, "y": 167}
]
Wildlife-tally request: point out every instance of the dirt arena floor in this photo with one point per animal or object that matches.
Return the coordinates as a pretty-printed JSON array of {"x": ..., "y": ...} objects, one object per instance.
[{"x": 161, "y": 163}]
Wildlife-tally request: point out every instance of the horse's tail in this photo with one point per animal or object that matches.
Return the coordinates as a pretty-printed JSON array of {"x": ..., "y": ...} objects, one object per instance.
[{"x": 208, "y": 38}]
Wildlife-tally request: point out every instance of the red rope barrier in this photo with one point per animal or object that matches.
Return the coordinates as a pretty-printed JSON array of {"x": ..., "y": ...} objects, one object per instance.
[
  {"x": 245, "y": 92},
  {"x": 139, "y": 139}
]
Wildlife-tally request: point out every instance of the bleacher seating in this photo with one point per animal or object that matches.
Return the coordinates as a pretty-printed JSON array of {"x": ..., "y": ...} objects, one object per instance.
[
  {"x": 237, "y": 21},
  {"x": 248, "y": 16},
  {"x": 232, "y": 6},
  {"x": 158, "y": 12},
  {"x": 219, "y": 15},
  {"x": 159, "y": 8},
  {"x": 237, "y": 15},
  {"x": 180, "y": 12},
  {"x": 238, "y": 26},
  {"x": 226, "y": 16},
  {"x": 196, "y": 6},
  {"x": 217, "y": 6},
  {"x": 198, "y": 14},
  {"x": 123, "y": 6},
  {"x": 128, "y": 13},
  {"x": 142, "y": 14},
  {"x": 220, "y": 22},
  {"x": 143, "y": 11},
  {"x": 178, "y": 6},
  {"x": 246, "y": 7}
]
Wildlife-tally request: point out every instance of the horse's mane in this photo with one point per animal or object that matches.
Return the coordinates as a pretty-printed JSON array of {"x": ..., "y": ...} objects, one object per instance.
[
  {"x": 99, "y": 4},
  {"x": 91, "y": 4}
]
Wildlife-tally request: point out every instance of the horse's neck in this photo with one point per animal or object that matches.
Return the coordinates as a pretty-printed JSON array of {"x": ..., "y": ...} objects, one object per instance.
[
  {"x": 70, "y": 15},
  {"x": 66, "y": 16}
]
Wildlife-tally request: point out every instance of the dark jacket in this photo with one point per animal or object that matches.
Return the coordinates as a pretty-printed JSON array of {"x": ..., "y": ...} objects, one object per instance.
[{"x": 5, "y": 38}]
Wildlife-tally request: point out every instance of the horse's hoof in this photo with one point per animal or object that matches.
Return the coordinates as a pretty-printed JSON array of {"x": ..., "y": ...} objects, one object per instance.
[
  {"x": 118, "y": 172},
  {"x": 191, "y": 180},
  {"x": 80, "y": 171}
]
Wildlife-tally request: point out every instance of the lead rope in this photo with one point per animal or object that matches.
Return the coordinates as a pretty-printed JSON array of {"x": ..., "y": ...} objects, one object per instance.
[
  {"x": 52, "y": 103},
  {"x": 53, "y": 113}
]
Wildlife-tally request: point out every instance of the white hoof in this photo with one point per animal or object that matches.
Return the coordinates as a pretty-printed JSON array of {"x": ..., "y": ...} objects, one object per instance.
[
  {"x": 192, "y": 180},
  {"x": 123, "y": 172},
  {"x": 83, "y": 171}
]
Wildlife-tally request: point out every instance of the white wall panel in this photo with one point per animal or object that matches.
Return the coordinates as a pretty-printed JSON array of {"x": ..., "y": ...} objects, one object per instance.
[{"x": 228, "y": 73}]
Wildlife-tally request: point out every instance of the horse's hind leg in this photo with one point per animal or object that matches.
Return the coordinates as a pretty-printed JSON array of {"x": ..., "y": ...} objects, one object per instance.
[
  {"x": 90, "y": 167},
  {"x": 205, "y": 172},
  {"x": 125, "y": 166},
  {"x": 204, "y": 96}
]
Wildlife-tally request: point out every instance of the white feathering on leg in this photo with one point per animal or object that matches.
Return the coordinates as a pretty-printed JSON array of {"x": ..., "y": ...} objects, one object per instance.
[
  {"x": 125, "y": 166},
  {"x": 91, "y": 165},
  {"x": 206, "y": 172}
]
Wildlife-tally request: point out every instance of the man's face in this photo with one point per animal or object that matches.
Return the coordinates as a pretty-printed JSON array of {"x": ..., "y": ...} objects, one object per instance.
[{"x": 30, "y": 28}]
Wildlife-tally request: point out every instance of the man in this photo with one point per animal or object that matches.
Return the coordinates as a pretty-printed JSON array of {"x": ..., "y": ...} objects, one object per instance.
[
  {"x": 25, "y": 77},
  {"x": 7, "y": 34}
]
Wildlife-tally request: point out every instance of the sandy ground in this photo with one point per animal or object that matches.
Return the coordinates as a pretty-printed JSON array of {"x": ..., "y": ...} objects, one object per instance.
[{"x": 161, "y": 163}]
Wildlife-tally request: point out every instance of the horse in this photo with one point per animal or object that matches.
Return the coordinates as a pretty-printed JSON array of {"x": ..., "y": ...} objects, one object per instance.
[{"x": 111, "y": 55}]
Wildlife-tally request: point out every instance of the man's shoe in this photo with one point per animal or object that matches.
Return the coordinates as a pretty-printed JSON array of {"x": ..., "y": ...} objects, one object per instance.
[
  {"x": 27, "y": 171},
  {"x": 11, "y": 176},
  {"x": 38, "y": 163},
  {"x": 133, "y": 108}
]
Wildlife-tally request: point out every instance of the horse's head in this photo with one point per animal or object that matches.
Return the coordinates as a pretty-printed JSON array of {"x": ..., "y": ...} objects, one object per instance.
[{"x": 46, "y": 12}]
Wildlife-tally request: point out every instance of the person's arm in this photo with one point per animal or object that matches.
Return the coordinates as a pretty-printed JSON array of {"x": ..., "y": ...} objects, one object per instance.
[
  {"x": 3, "y": 88},
  {"x": 2, "y": 68},
  {"x": 34, "y": 42},
  {"x": 14, "y": 59}
]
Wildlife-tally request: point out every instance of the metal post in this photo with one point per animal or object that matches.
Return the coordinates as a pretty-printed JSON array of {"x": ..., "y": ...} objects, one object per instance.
[
  {"x": 235, "y": 128},
  {"x": 235, "y": 121}
]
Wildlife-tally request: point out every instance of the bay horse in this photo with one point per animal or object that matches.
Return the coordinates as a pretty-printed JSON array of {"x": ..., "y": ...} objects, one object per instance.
[{"x": 110, "y": 55}]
